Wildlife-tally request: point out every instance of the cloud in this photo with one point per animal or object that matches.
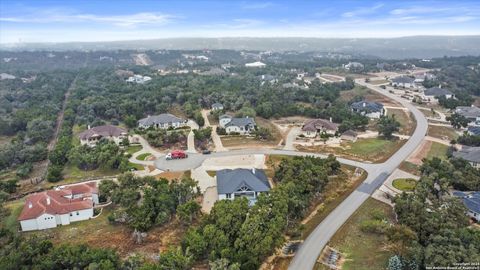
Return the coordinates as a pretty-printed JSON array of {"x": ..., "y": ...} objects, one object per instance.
[
  {"x": 261, "y": 5},
  {"x": 362, "y": 11},
  {"x": 57, "y": 16}
]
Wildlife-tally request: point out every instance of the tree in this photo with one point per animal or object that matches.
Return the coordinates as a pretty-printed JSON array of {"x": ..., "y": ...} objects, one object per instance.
[
  {"x": 387, "y": 126},
  {"x": 457, "y": 120},
  {"x": 130, "y": 121},
  {"x": 175, "y": 259},
  {"x": 54, "y": 173},
  {"x": 395, "y": 263},
  {"x": 188, "y": 211}
]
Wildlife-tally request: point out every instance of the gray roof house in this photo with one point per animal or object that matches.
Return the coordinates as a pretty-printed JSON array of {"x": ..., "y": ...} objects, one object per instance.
[
  {"x": 370, "y": 109},
  {"x": 92, "y": 135},
  {"x": 403, "y": 80},
  {"x": 242, "y": 125},
  {"x": 164, "y": 120},
  {"x": 472, "y": 113},
  {"x": 470, "y": 154},
  {"x": 217, "y": 106},
  {"x": 473, "y": 130},
  {"x": 438, "y": 92},
  {"x": 237, "y": 183},
  {"x": 471, "y": 200}
]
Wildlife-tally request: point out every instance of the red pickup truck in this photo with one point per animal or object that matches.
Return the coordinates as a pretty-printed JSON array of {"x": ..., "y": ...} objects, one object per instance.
[{"x": 176, "y": 154}]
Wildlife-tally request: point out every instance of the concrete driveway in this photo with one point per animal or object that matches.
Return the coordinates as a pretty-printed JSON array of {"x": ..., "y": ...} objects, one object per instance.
[
  {"x": 215, "y": 138},
  {"x": 290, "y": 138}
]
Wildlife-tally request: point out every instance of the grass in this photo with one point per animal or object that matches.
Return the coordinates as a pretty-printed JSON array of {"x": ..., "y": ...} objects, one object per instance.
[
  {"x": 409, "y": 167},
  {"x": 363, "y": 250},
  {"x": 437, "y": 150},
  {"x": 427, "y": 113},
  {"x": 440, "y": 132},
  {"x": 212, "y": 173},
  {"x": 73, "y": 174},
  {"x": 143, "y": 156},
  {"x": 404, "y": 184},
  {"x": 10, "y": 222},
  {"x": 407, "y": 125},
  {"x": 133, "y": 149},
  {"x": 138, "y": 167}
]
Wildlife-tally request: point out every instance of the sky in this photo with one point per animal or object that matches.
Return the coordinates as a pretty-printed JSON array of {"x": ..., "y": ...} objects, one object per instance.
[{"x": 109, "y": 20}]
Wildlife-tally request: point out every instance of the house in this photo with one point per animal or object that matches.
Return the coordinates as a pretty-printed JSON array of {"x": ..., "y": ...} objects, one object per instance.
[
  {"x": 314, "y": 127},
  {"x": 217, "y": 106},
  {"x": 433, "y": 93},
  {"x": 471, "y": 200},
  {"x": 6, "y": 76},
  {"x": 353, "y": 66},
  {"x": 139, "y": 79},
  {"x": 473, "y": 130},
  {"x": 369, "y": 109},
  {"x": 239, "y": 183},
  {"x": 243, "y": 125},
  {"x": 164, "y": 121},
  {"x": 472, "y": 113},
  {"x": 93, "y": 135},
  {"x": 419, "y": 78},
  {"x": 268, "y": 78},
  {"x": 61, "y": 206},
  {"x": 256, "y": 64},
  {"x": 349, "y": 135},
  {"x": 404, "y": 81},
  {"x": 470, "y": 154}
]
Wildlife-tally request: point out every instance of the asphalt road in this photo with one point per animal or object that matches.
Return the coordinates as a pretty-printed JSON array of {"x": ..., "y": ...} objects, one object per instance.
[
  {"x": 311, "y": 248},
  {"x": 309, "y": 251}
]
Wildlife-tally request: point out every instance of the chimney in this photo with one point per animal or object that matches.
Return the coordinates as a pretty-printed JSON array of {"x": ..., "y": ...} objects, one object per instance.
[
  {"x": 48, "y": 200},
  {"x": 364, "y": 104},
  {"x": 331, "y": 120},
  {"x": 439, "y": 86},
  {"x": 30, "y": 205},
  {"x": 253, "y": 170},
  {"x": 88, "y": 126}
]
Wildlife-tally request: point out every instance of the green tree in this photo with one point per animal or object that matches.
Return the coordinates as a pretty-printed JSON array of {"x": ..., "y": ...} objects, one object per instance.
[
  {"x": 457, "y": 120},
  {"x": 387, "y": 125}
]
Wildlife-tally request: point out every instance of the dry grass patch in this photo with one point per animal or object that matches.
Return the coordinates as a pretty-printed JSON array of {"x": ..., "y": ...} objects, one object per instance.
[
  {"x": 441, "y": 132},
  {"x": 407, "y": 124}
]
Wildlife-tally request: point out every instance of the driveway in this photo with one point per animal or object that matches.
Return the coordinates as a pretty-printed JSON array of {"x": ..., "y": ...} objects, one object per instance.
[
  {"x": 290, "y": 138},
  {"x": 191, "y": 137},
  {"x": 215, "y": 138}
]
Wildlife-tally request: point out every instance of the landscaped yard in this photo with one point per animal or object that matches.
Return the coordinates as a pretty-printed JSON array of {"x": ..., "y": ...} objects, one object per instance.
[
  {"x": 404, "y": 184},
  {"x": 363, "y": 250},
  {"x": 249, "y": 141},
  {"x": 133, "y": 149},
  {"x": 143, "y": 156},
  {"x": 138, "y": 167},
  {"x": 444, "y": 133}
]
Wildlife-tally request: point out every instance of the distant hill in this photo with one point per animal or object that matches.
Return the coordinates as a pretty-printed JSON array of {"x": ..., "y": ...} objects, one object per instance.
[{"x": 390, "y": 48}]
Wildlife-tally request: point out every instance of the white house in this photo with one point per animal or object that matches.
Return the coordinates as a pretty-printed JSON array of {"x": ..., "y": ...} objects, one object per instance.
[
  {"x": 404, "y": 81},
  {"x": 433, "y": 93},
  {"x": 314, "y": 127},
  {"x": 217, "y": 106},
  {"x": 256, "y": 64},
  {"x": 61, "y": 206},
  {"x": 370, "y": 109},
  {"x": 472, "y": 113},
  {"x": 238, "y": 183},
  {"x": 163, "y": 121},
  {"x": 92, "y": 136},
  {"x": 243, "y": 125},
  {"x": 353, "y": 66},
  {"x": 139, "y": 79}
]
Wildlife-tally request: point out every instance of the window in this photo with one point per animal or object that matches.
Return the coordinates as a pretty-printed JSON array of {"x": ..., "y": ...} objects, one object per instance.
[
  {"x": 78, "y": 213},
  {"x": 71, "y": 214},
  {"x": 228, "y": 195}
]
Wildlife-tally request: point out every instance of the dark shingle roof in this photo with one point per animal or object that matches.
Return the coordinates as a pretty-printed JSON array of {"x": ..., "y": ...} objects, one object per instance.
[
  {"x": 471, "y": 154},
  {"x": 403, "y": 79},
  {"x": 241, "y": 122},
  {"x": 229, "y": 181},
  {"x": 474, "y": 131},
  {"x": 470, "y": 200},
  {"x": 160, "y": 119},
  {"x": 103, "y": 131},
  {"x": 435, "y": 91},
  {"x": 366, "y": 106},
  {"x": 468, "y": 111}
]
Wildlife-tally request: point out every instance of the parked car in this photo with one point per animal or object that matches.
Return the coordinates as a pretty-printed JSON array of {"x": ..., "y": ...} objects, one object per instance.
[
  {"x": 176, "y": 154},
  {"x": 206, "y": 152}
]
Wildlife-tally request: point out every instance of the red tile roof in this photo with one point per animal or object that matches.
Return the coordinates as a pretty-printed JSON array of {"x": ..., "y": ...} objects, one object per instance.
[{"x": 58, "y": 203}]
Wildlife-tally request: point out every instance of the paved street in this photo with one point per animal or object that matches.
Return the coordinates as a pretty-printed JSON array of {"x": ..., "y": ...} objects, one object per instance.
[{"x": 309, "y": 251}]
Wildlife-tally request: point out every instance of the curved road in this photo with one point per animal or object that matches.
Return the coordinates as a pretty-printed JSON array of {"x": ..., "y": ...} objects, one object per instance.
[
  {"x": 309, "y": 251},
  {"x": 307, "y": 255}
]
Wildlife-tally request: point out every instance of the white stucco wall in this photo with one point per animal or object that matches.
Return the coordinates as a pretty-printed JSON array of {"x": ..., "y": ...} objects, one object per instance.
[
  {"x": 46, "y": 221},
  {"x": 29, "y": 225},
  {"x": 224, "y": 121},
  {"x": 81, "y": 215}
]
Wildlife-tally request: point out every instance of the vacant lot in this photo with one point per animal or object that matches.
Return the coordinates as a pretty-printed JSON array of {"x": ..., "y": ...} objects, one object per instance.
[
  {"x": 99, "y": 232},
  {"x": 437, "y": 150},
  {"x": 444, "y": 133},
  {"x": 369, "y": 149},
  {"x": 363, "y": 250},
  {"x": 407, "y": 123},
  {"x": 367, "y": 94}
]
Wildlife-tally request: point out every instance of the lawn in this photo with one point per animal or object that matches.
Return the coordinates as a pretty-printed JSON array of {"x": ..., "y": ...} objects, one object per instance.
[
  {"x": 73, "y": 174},
  {"x": 407, "y": 124},
  {"x": 143, "y": 156},
  {"x": 437, "y": 150},
  {"x": 133, "y": 149},
  {"x": 441, "y": 132},
  {"x": 10, "y": 222},
  {"x": 404, "y": 184},
  {"x": 375, "y": 149},
  {"x": 212, "y": 173},
  {"x": 363, "y": 250},
  {"x": 138, "y": 167}
]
